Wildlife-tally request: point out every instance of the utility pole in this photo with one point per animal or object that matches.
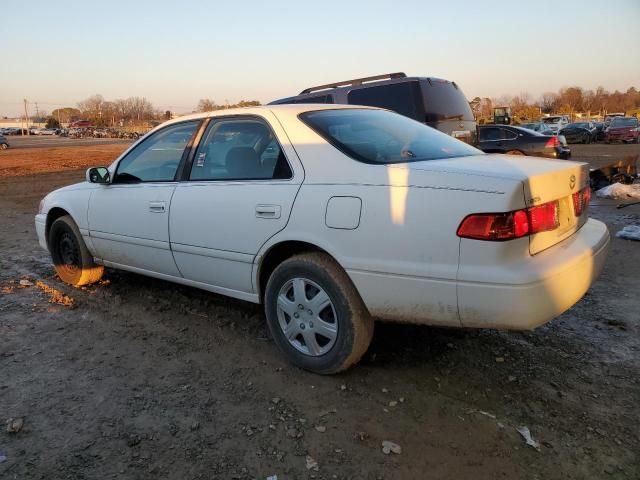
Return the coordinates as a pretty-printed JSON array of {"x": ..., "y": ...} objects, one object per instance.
[
  {"x": 26, "y": 117},
  {"x": 37, "y": 112}
]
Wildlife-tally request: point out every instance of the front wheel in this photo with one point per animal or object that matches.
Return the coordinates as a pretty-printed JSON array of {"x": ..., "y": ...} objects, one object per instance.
[
  {"x": 4, "y": 146},
  {"x": 315, "y": 315},
  {"x": 71, "y": 258}
]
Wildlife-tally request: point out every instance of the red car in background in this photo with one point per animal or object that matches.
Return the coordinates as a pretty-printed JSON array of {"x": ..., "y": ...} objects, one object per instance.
[
  {"x": 623, "y": 129},
  {"x": 81, "y": 124}
]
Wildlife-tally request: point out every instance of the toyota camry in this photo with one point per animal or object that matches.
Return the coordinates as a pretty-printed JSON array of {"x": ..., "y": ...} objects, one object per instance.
[{"x": 334, "y": 217}]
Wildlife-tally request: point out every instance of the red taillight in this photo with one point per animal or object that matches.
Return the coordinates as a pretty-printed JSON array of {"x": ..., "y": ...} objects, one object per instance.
[
  {"x": 581, "y": 200},
  {"x": 507, "y": 226},
  {"x": 552, "y": 142},
  {"x": 544, "y": 217},
  {"x": 495, "y": 226}
]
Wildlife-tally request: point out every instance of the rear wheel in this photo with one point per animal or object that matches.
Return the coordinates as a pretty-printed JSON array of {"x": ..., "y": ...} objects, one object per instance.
[
  {"x": 4, "y": 146},
  {"x": 315, "y": 315},
  {"x": 585, "y": 138},
  {"x": 72, "y": 260},
  {"x": 514, "y": 152}
]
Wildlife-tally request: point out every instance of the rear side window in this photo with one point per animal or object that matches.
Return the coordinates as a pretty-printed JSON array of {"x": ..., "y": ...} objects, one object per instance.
[
  {"x": 383, "y": 137},
  {"x": 444, "y": 101},
  {"x": 404, "y": 98},
  {"x": 239, "y": 150},
  {"x": 488, "y": 134}
]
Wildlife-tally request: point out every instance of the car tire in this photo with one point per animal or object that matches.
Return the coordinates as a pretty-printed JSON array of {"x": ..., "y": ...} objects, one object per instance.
[
  {"x": 293, "y": 292},
  {"x": 4, "y": 146},
  {"x": 72, "y": 260},
  {"x": 514, "y": 152}
]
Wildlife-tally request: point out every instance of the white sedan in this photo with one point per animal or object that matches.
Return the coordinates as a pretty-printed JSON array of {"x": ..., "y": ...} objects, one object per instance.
[{"x": 332, "y": 217}]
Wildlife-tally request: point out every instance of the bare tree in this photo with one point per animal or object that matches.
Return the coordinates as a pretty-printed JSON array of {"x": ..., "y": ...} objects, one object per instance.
[{"x": 207, "y": 105}]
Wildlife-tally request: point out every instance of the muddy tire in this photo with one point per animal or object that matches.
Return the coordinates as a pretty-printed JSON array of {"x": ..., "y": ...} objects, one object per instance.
[
  {"x": 315, "y": 315},
  {"x": 71, "y": 258}
]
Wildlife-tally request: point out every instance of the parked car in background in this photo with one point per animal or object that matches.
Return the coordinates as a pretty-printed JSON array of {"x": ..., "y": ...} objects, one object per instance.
[
  {"x": 579, "y": 132},
  {"x": 539, "y": 127},
  {"x": 521, "y": 141},
  {"x": 3, "y": 143},
  {"x": 611, "y": 116},
  {"x": 48, "y": 131},
  {"x": 555, "y": 122},
  {"x": 432, "y": 101},
  {"x": 623, "y": 129},
  {"x": 17, "y": 131},
  {"x": 465, "y": 239}
]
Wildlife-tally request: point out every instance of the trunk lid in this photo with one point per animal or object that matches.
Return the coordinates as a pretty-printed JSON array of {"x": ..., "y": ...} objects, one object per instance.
[{"x": 542, "y": 180}]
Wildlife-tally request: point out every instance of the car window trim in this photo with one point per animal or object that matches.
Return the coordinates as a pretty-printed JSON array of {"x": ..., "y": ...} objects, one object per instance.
[
  {"x": 214, "y": 122},
  {"x": 183, "y": 158}
]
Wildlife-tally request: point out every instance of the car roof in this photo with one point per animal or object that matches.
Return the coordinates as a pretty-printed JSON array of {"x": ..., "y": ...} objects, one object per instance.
[
  {"x": 289, "y": 108},
  {"x": 330, "y": 90}
]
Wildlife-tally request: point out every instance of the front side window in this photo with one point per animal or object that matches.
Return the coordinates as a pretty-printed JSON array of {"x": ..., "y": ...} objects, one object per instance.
[
  {"x": 156, "y": 159},
  {"x": 239, "y": 150},
  {"x": 382, "y": 137}
]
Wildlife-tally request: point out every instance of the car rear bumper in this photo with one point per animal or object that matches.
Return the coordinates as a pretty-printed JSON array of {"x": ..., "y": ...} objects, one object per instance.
[
  {"x": 555, "y": 280},
  {"x": 562, "y": 152},
  {"x": 41, "y": 222}
]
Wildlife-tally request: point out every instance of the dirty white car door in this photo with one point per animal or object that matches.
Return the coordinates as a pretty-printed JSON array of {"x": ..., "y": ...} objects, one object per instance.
[
  {"x": 129, "y": 218},
  {"x": 240, "y": 191}
]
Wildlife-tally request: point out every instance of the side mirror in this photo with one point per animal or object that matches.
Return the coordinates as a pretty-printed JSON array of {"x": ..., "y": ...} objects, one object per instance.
[{"x": 98, "y": 175}]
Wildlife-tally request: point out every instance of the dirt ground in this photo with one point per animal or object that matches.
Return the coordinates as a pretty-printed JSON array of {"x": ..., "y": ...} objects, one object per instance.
[{"x": 138, "y": 378}]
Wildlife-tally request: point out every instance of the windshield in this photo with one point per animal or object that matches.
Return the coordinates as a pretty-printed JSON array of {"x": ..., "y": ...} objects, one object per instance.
[
  {"x": 551, "y": 120},
  {"x": 380, "y": 136},
  {"x": 579, "y": 125},
  {"x": 624, "y": 122}
]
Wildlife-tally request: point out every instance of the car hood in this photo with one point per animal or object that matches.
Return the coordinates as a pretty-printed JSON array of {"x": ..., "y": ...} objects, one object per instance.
[{"x": 76, "y": 186}]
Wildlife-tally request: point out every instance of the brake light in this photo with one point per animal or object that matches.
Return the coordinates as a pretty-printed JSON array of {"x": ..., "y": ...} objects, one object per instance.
[
  {"x": 544, "y": 217},
  {"x": 581, "y": 200},
  {"x": 510, "y": 225},
  {"x": 552, "y": 142}
]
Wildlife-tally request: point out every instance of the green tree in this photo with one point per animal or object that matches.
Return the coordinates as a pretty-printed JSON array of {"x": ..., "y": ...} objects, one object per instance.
[{"x": 52, "y": 123}]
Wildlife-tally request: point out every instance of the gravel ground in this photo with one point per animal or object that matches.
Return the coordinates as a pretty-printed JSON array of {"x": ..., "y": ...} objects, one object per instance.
[{"x": 139, "y": 378}]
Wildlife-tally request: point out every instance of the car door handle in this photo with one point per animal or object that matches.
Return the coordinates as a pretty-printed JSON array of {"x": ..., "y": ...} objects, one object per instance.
[
  {"x": 156, "y": 207},
  {"x": 268, "y": 211}
]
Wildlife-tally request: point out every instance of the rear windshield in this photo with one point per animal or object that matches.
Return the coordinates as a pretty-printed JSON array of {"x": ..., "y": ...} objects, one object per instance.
[
  {"x": 444, "y": 101},
  {"x": 551, "y": 120},
  {"x": 381, "y": 137}
]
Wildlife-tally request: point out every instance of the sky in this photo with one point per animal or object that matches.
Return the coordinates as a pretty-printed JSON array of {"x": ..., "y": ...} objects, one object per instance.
[{"x": 176, "y": 52}]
